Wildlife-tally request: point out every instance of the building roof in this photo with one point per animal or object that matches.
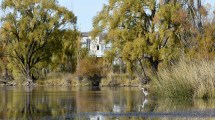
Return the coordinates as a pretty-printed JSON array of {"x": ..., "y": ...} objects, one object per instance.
[
  {"x": 84, "y": 34},
  {"x": 101, "y": 36}
]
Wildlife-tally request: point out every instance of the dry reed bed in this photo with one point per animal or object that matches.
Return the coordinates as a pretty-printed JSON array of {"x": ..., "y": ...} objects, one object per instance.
[{"x": 187, "y": 79}]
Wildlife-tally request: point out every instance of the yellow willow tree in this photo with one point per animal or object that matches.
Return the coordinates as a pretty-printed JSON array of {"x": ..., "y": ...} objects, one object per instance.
[
  {"x": 202, "y": 44},
  {"x": 66, "y": 60},
  {"x": 33, "y": 31},
  {"x": 198, "y": 35},
  {"x": 141, "y": 30}
]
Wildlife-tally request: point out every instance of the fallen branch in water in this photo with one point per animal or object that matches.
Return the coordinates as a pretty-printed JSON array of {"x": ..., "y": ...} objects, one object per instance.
[
  {"x": 7, "y": 83},
  {"x": 3, "y": 81}
]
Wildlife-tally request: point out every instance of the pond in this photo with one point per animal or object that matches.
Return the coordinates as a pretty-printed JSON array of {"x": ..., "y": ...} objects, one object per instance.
[{"x": 90, "y": 103}]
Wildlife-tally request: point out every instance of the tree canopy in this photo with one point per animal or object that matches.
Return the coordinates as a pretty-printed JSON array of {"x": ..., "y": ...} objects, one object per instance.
[
  {"x": 140, "y": 29},
  {"x": 33, "y": 31},
  {"x": 150, "y": 30}
]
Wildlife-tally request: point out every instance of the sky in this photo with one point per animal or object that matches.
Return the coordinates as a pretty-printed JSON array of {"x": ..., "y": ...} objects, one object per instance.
[{"x": 85, "y": 10}]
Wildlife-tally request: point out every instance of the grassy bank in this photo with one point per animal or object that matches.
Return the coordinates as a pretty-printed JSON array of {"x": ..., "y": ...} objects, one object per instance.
[
  {"x": 187, "y": 79},
  {"x": 68, "y": 79},
  {"x": 60, "y": 79},
  {"x": 119, "y": 80}
]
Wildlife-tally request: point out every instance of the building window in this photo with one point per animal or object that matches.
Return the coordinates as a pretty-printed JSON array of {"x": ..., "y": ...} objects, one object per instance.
[
  {"x": 102, "y": 47},
  {"x": 88, "y": 44},
  {"x": 97, "y": 47}
]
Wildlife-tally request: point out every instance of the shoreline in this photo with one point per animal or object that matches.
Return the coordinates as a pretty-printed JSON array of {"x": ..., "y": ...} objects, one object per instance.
[{"x": 66, "y": 84}]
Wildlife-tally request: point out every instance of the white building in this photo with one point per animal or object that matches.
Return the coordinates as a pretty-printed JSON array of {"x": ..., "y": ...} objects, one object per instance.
[{"x": 95, "y": 46}]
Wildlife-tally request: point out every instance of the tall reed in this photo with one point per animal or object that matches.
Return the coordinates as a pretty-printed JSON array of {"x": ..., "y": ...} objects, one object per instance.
[{"x": 187, "y": 79}]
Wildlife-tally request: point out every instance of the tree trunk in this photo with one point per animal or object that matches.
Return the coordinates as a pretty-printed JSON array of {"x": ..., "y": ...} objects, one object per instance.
[
  {"x": 144, "y": 79},
  {"x": 28, "y": 75},
  {"x": 95, "y": 79},
  {"x": 154, "y": 65},
  {"x": 6, "y": 75}
]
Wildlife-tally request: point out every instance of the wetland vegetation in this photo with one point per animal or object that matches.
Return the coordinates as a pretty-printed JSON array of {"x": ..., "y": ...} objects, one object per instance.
[{"x": 168, "y": 45}]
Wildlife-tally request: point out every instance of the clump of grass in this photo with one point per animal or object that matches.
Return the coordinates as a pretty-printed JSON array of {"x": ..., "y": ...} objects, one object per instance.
[
  {"x": 119, "y": 80},
  {"x": 59, "y": 79},
  {"x": 187, "y": 79}
]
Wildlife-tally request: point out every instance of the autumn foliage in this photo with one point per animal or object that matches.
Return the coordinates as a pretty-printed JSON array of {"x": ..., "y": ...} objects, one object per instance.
[
  {"x": 149, "y": 33},
  {"x": 91, "y": 68}
]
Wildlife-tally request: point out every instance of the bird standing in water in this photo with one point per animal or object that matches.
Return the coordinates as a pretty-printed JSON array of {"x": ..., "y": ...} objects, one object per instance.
[
  {"x": 145, "y": 102},
  {"x": 145, "y": 92}
]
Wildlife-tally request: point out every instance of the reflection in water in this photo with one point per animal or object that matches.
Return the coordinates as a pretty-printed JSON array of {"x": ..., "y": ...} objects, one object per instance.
[
  {"x": 95, "y": 104},
  {"x": 97, "y": 117},
  {"x": 145, "y": 102}
]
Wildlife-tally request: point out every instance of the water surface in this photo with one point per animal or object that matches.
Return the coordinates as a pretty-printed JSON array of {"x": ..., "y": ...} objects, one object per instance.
[{"x": 106, "y": 103}]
